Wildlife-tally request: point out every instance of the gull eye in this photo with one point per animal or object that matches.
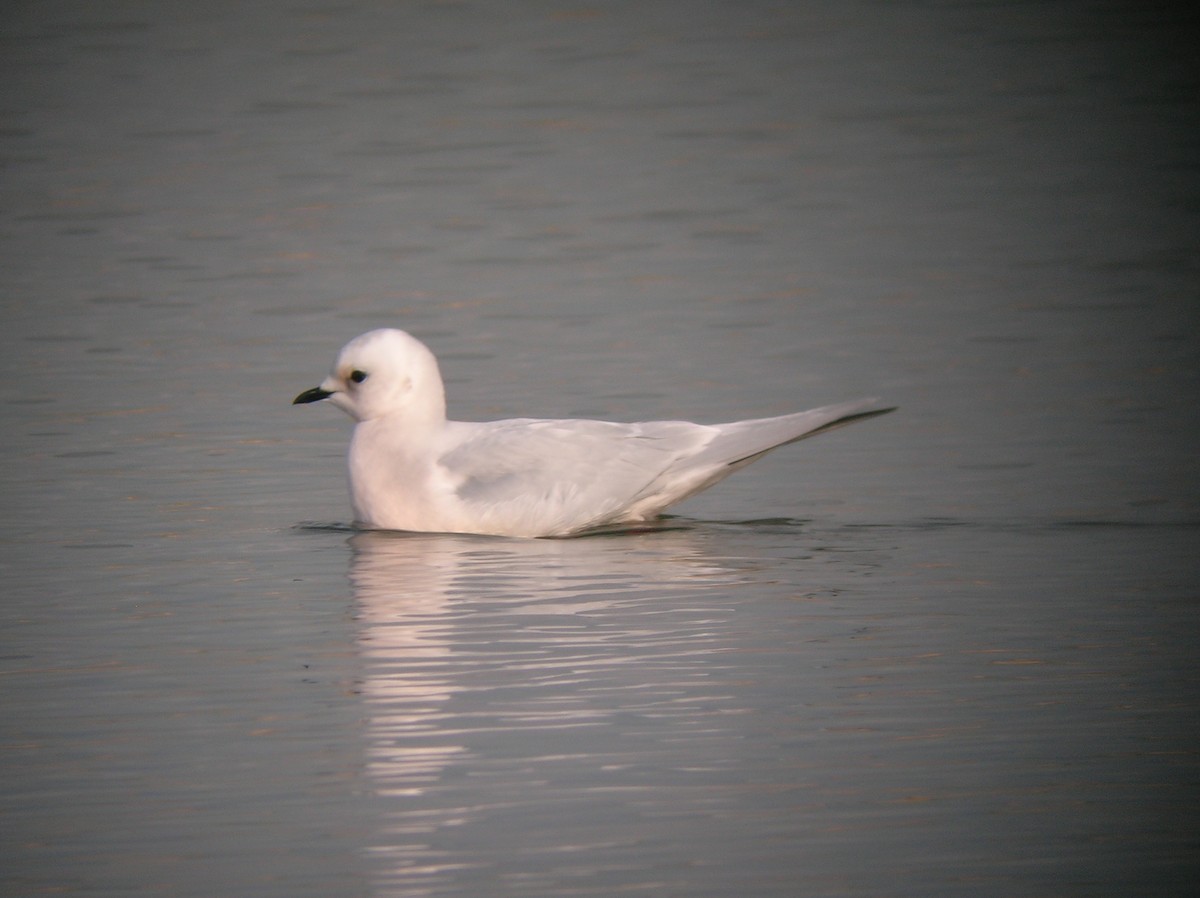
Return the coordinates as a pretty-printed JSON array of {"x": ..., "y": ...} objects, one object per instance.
[{"x": 358, "y": 376}]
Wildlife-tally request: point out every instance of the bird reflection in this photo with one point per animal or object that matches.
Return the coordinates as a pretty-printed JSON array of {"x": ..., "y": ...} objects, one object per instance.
[
  {"x": 480, "y": 652},
  {"x": 403, "y": 588}
]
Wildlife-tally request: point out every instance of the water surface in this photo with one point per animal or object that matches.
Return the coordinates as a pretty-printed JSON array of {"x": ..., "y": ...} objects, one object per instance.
[{"x": 948, "y": 650}]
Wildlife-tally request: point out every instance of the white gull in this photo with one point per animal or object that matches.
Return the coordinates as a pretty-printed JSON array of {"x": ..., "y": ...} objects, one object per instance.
[{"x": 412, "y": 469}]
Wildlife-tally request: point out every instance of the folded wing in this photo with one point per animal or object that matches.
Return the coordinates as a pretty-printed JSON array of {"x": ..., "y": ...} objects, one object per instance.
[
  {"x": 557, "y": 477},
  {"x": 552, "y": 478}
]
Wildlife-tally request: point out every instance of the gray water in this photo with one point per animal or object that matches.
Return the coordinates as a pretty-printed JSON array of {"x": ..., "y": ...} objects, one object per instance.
[{"x": 950, "y": 651}]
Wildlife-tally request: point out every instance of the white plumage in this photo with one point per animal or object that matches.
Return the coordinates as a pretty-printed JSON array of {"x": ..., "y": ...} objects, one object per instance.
[{"x": 411, "y": 469}]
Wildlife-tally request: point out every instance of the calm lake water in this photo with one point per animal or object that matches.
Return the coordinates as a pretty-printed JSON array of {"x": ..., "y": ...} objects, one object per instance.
[{"x": 950, "y": 651}]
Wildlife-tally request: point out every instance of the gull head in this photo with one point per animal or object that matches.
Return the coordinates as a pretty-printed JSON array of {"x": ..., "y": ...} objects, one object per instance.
[{"x": 383, "y": 373}]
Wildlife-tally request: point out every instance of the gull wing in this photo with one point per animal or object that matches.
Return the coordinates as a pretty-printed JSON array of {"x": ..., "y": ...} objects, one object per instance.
[
  {"x": 552, "y": 478},
  {"x": 735, "y": 445},
  {"x": 741, "y": 442},
  {"x": 557, "y": 477}
]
